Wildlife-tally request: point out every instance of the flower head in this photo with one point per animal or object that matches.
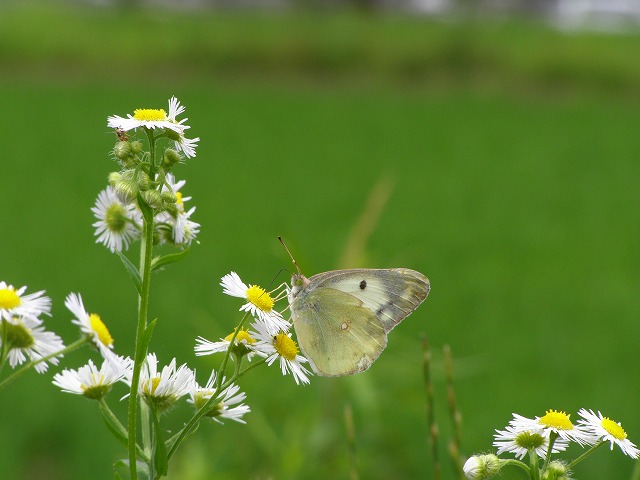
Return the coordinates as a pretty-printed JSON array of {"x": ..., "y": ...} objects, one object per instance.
[
  {"x": 176, "y": 221},
  {"x": 557, "y": 422},
  {"x": 151, "y": 118},
  {"x": 283, "y": 348},
  {"x": 606, "y": 430},
  {"x": 92, "y": 382},
  {"x": 223, "y": 408},
  {"x": 259, "y": 302},
  {"x": 519, "y": 440},
  {"x": 242, "y": 345},
  {"x": 164, "y": 388},
  {"x": 27, "y": 338},
  {"x": 13, "y": 303},
  {"x": 116, "y": 226},
  {"x": 90, "y": 324}
]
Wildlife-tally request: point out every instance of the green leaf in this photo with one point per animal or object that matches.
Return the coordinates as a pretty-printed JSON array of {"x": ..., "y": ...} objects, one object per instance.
[
  {"x": 116, "y": 429},
  {"x": 160, "y": 458},
  {"x": 133, "y": 272},
  {"x": 163, "y": 260},
  {"x": 145, "y": 338}
]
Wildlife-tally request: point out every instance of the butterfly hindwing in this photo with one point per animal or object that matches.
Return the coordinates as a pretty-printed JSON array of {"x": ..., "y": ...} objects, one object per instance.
[
  {"x": 337, "y": 333},
  {"x": 391, "y": 294}
]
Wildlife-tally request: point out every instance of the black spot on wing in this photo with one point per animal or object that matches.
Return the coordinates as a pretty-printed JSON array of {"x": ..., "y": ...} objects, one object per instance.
[{"x": 363, "y": 284}]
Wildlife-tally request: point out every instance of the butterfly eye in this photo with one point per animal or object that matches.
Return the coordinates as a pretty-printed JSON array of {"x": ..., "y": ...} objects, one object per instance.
[{"x": 297, "y": 281}]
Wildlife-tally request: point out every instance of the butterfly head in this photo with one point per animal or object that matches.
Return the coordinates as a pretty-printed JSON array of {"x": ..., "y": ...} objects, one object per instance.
[{"x": 298, "y": 282}]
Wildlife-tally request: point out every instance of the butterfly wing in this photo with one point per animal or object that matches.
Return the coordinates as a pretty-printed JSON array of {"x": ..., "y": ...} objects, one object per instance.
[
  {"x": 391, "y": 294},
  {"x": 336, "y": 332}
]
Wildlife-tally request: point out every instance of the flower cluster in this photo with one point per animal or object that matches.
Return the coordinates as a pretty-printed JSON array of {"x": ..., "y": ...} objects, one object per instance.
[
  {"x": 145, "y": 181},
  {"x": 541, "y": 437},
  {"x": 268, "y": 336}
]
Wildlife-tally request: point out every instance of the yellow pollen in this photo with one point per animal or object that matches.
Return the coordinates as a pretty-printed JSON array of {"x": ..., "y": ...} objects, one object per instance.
[
  {"x": 179, "y": 199},
  {"x": 613, "y": 428},
  {"x": 150, "y": 114},
  {"x": 557, "y": 420},
  {"x": 98, "y": 326},
  {"x": 286, "y": 347},
  {"x": 9, "y": 299},
  {"x": 243, "y": 336},
  {"x": 260, "y": 298},
  {"x": 150, "y": 385}
]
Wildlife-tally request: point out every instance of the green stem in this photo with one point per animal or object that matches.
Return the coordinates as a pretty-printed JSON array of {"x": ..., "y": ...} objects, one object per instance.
[
  {"x": 4, "y": 351},
  {"x": 636, "y": 471},
  {"x": 104, "y": 407},
  {"x": 146, "y": 254},
  {"x": 587, "y": 453},
  {"x": 33, "y": 363},
  {"x": 214, "y": 396},
  {"x": 552, "y": 439},
  {"x": 534, "y": 470},
  {"x": 517, "y": 463}
]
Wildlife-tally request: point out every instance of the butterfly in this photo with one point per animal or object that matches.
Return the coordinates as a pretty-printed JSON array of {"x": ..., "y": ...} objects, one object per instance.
[{"x": 342, "y": 317}]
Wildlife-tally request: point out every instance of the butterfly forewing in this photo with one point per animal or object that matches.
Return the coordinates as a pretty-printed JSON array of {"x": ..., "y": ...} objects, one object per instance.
[
  {"x": 391, "y": 294},
  {"x": 336, "y": 332}
]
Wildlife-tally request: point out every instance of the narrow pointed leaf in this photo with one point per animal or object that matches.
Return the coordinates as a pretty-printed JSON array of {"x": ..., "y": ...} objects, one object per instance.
[
  {"x": 163, "y": 260},
  {"x": 132, "y": 270}
]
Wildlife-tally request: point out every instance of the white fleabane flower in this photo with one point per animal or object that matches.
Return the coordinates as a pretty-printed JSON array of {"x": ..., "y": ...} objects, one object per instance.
[
  {"x": 280, "y": 347},
  {"x": 223, "y": 408},
  {"x": 557, "y": 422},
  {"x": 606, "y": 430},
  {"x": 27, "y": 338},
  {"x": 177, "y": 222},
  {"x": 116, "y": 225},
  {"x": 518, "y": 441},
  {"x": 259, "y": 302},
  {"x": 164, "y": 388},
  {"x": 90, "y": 324},
  {"x": 187, "y": 145},
  {"x": 14, "y": 303},
  {"x": 243, "y": 340},
  {"x": 92, "y": 382},
  {"x": 152, "y": 118}
]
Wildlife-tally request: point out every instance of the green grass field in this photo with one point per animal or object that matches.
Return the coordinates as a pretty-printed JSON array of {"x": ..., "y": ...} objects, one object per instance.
[{"x": 514, "y": 188}]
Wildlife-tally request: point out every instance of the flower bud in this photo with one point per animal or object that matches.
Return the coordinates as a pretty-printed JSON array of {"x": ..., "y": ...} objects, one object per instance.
[
  {"x": 136, "y": 146},
  {"x": 171, "y": 157},
  {"x": 169, "y": 198},
  {"x": 122, "y": 150},
  {"x": 126, "y": 190},
  {"x": 113, "y": 178},
  {"x": 480, "y": 467},
  {"x": 152, "y": 198},
  {"x": 556, "y": 470},
  {"x": 144, "y": 182}
]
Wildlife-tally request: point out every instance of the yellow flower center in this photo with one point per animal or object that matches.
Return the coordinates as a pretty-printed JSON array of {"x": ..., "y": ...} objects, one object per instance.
[
  {"x": 9, "y": 299},
  {"x": 557, "y": 420},
  {"x": 150, "y": 114},
  {"x": 285, "y": 346},
  {"x": 100, "y": 329},
  {"x": 613, "y": 428},
  {"x": 260, "y": 298},
  {"x": 179, "y": 201},
  {"x": 243, "y": 336},
  {"x": 150, "y": 385}
]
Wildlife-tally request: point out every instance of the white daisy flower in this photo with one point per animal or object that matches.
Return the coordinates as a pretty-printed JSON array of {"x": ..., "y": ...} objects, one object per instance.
[
  {"x": 92, "y": 382},
  {"x": 116, "y": 225},
  {"x": 280, "y": 347},
  {"x": 244, "y": 339},
  {"x": 152, "y": 118},
  {"x": 226, "y": 399},
  {"x": 164, "y": 388},
  {"x": 259, "y": 302},
  {"x": 606, "y": 430},
  {"x": 557, "y": 422},
  {"x": 13, "y": 303},
  {"x": 90, "y": 324},
  {"x": 519, "y": 441},
  {"x": 27, "y": 338},
  {"x": 182, "y": 229}
]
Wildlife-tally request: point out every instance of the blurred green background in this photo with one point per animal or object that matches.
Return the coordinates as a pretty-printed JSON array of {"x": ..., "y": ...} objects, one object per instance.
[{"x": 504, "y": 155}]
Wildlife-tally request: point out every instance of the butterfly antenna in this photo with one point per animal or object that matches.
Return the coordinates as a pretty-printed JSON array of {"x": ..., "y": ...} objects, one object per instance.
[{"x": 291, "y": 256}]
